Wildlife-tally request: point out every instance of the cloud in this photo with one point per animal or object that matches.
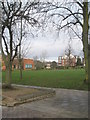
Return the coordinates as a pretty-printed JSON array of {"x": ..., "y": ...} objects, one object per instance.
[{"x": 54, "y": 46}]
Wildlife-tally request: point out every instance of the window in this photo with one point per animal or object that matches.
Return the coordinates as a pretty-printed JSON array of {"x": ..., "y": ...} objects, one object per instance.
[
  {"x": 30, "y": 66},
  {"x": 60, "y": 60},
  {"x": 27, "y": 66}
]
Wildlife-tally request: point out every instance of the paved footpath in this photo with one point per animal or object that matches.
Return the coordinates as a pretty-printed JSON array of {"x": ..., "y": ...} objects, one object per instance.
[{"x": 65, "y": 104}]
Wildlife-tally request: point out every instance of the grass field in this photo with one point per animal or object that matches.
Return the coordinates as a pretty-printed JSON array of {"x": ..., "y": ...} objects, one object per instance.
[{"x": 71, "y": 79}]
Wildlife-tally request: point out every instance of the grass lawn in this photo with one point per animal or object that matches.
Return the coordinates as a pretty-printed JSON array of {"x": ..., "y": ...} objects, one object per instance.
[{"x": 71, "y": 79}]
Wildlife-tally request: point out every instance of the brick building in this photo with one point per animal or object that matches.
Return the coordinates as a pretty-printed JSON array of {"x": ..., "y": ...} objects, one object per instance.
[
  {"x": 27, "y": 64},
  {"x": 66, "y": 61}
]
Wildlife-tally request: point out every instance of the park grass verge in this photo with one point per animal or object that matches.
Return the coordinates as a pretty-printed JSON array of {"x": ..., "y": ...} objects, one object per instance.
[{"x": 68, "y": 79}]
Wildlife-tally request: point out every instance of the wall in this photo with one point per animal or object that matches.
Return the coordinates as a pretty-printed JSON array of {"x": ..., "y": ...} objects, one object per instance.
[
  {"x": 16, "y": 64},
  {"x": 28, "y": 62}
]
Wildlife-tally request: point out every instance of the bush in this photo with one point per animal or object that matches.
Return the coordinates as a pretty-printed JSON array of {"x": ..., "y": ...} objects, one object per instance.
[
  {"x": 60, "y": 67},
  {"x": 79, "y": 67}
]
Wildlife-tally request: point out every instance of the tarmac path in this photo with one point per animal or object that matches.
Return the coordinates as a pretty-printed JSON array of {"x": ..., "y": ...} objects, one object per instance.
[{"x": 65, "y": 104}]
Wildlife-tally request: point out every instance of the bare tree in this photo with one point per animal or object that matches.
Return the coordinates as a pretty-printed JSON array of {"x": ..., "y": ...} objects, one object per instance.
[
  {"x": 68, "y": 52},
  {"x": 0, "y": 39},
  {"x": 13, "y": 12},
  {"x": 43, "y": 56},
  {"x": 23, "y": 48},
  {"x": 35, "y": 60},
  {"x": 0, "y": 25},
  {"x": 89, "y": 50},
  {"x": 71, "y": 15},
  {"x": 20, "y": 59}
]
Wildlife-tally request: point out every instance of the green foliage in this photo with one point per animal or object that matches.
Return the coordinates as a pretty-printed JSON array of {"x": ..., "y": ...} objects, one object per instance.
[{"x": 70, "y": 78}]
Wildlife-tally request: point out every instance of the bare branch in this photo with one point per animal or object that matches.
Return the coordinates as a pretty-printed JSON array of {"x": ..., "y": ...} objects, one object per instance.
[
  {"x": 79, "y": 4},
  {"x": 16, "y": 50},
  {"x": 5, "y": 44}
]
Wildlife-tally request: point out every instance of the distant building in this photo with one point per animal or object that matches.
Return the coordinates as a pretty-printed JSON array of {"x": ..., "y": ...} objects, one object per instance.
[
  {"x": 27, "y": 64},
  {"x": 67, "y": 61},
  {"x": 48, "y": 66}
]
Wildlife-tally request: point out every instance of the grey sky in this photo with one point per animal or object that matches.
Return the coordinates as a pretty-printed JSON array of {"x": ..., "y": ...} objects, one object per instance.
[{"x": 53, "y": 44}]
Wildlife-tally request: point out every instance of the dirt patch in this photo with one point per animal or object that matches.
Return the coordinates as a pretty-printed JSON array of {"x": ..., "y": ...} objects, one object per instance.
[{"x": 19, "y": 95}]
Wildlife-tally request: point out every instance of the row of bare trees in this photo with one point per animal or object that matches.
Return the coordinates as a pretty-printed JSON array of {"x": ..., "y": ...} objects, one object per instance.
[{"x": 68, "y": 14}]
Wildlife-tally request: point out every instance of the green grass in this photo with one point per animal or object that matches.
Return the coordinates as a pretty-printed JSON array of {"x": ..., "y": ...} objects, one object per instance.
[{"x": 71, "y": 79}]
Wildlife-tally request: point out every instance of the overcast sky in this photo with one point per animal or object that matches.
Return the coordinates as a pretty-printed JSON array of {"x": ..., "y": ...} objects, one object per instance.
[{"x": 53, "y": 44}]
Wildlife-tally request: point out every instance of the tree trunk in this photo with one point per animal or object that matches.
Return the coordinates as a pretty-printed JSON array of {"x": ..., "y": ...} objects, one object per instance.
[
  {"x": 20, "y": 67},
  {"x": 20, "y": 59},
  {"x": 85, "y": 38},
  {"x": 21, "y": 74},
  {"x": 89, "y": 66},
  {"x": 86, "y": 65},
  {"x": 8, "y": 74}
]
